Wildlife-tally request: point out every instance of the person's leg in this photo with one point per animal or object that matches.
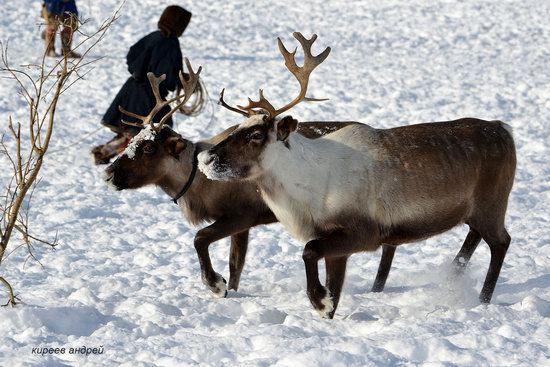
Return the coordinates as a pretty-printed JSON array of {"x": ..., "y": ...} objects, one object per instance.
[
  {"x": 70, "y": 24},
  {"x": 105, "y": 152},
  {"x": 49, "y": 32}
]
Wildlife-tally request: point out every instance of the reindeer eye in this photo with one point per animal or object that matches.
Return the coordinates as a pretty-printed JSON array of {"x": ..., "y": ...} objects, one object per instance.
[
  {"x": 148, "y": 148},
  {"x": 256, "y": 135}
]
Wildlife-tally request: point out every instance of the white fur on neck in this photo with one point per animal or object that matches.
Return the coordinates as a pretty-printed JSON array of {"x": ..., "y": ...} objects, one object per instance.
[{"x": 295, "y": 177}]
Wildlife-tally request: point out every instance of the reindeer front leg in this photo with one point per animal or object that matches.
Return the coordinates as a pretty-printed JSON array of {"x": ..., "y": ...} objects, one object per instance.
[
  {"x": 237, "y": 255},
  {"x": 335, "y": 248},
  {"x": 335, "y": 274},
  {"x": 221, "y": 228}
]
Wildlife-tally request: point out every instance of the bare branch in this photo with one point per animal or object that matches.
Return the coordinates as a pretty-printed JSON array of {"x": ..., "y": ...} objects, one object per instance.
[
  {"x": 12, "y": 297},
  {"x": 7, "y": 154},
  {"x": 42, "y": 95}
]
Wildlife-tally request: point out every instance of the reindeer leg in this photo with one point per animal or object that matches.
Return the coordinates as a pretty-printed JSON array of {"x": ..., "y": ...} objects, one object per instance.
[
  {"x": 498, "y": 244},
  {"x": 466, "y": 251},
  {"x": 335, "y": 245},
  {"x": 336, "y": 272},
  {"x": 221, "y": 228},
  {"x": 383, "y": 268},
  {"x": 239, "y": 246}
]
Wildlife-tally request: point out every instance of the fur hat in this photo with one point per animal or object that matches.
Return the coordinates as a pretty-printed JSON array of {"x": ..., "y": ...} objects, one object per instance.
[{"x": 174, "y": 20}]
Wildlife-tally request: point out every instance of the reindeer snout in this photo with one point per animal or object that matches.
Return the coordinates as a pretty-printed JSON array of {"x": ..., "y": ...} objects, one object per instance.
[
  {"x": 112, "y": 178},
  {"x": 108, "y": 174},
  {"x": 109, "y": 178},
  {"x": 209, "y": 165}
]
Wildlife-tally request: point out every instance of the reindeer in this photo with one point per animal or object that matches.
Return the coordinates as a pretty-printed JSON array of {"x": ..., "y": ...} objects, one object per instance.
[
  {"x": 160, "y": 156},
  {"x": 361, "y": 187}
]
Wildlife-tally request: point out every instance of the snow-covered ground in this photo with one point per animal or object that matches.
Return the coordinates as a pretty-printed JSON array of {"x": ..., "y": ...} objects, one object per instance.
[{"x": 125, "y": 275}]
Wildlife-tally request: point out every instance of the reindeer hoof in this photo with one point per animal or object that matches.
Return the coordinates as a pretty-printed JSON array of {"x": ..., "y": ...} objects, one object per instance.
[
  {"x": 323, "y": 303},
  {"x": 327, "y": 312},
  {"x": 218, "y": 287}
]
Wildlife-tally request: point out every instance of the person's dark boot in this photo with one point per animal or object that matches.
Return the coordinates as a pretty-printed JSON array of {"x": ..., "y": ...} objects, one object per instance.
[
  {"x": 66, "y": 40},
  {"x": 105, "y": 152}
]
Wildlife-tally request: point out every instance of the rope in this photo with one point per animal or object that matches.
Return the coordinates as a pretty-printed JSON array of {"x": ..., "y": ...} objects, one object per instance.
[
  {"x": 76, "y": 142},
  {"x": 198, "y": 101}
]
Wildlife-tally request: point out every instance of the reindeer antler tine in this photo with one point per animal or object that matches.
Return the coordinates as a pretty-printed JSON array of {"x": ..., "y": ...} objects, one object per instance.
[
  {"x": 131, "y": 114},
  {"x": 311, "y": 99},
  {"x": 303, "y": 73},
  {"x": 282, "y": 47},
  {"x": 262, "y": 103},
  {"x": 304, "y": 41},
  {"x": 323, "y": 55},
  {"x": 134, "y": 115},
  {"x": 189, "y": 87},
  {"x": 300, "y": 73},
  {"x": 306, "y": 45},
  {"x": 132, "y": 123},
  {"x": 155, "y": 83},
  {"x": 190, "y": 68},
  {"x": 288, "y": 56},
  {"x": 222, "y": 103}
]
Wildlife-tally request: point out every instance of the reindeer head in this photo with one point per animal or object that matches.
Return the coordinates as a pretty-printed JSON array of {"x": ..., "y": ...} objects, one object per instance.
[
  {"x": 149, "y": 158},
  {"x": 156, "y": 150},
  {"x": 240, "y": 154}
]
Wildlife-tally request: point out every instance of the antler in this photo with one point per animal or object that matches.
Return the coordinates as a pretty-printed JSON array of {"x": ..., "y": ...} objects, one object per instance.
[
  {"x": 234, "y": 109},
  {"x": 262, "y": 103},
  {"x": 301, "y": 73},
  {"x": 188, "y": 87}
]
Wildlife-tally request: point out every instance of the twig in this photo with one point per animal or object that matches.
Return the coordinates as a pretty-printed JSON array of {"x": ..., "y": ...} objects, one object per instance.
[
  {"x": 12, "y": 297},
  {"x": 42, "y": 94}
]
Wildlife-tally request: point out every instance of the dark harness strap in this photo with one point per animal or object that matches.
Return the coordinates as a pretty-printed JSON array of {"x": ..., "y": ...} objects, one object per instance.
[{"x": 191, "y": 177}]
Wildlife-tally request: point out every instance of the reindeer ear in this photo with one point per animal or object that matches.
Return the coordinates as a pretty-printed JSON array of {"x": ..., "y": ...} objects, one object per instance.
[
  {"x": 285, "y": 126},
  {"x": 175, "y": 145}
]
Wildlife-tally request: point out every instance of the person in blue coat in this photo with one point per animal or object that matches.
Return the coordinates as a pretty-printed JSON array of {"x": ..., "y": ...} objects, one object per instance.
[
  {"x": 60, "y": 13},
  {"x": 159, "y": 52}
]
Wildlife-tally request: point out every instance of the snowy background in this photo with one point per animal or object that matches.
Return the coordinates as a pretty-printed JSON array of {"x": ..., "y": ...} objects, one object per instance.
[{"x": 125, "y": 275}]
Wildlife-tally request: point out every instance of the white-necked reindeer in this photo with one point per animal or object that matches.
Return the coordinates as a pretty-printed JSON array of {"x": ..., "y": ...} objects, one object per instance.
[
  {"x": 160, "y": 156},
  {"x": 360, "y": 187}
]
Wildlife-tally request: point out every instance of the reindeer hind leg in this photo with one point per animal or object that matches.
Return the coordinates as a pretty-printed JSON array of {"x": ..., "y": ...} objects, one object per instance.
[
  {"x": 498, "y": 244},
  {"x": 466, "y": 251},
  {"x": 383, "y": 268}
]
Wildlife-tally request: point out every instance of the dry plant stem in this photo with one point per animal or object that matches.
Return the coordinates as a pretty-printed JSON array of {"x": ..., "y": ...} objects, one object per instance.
[
  {"x": 11, "y": 300},
  {"x": 23, "y": 186},
  {"x": 41, "y": 123}
]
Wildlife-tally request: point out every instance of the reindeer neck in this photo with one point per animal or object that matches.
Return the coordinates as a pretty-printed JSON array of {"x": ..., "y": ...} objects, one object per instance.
[
  {"x": 294, "y": 164},
  {"x": 182, "y": 176}
]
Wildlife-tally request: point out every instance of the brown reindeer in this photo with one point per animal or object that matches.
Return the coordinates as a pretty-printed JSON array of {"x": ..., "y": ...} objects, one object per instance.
[
  {"x": 160, "y": 156},
  {"x": 360, "y": 187}
]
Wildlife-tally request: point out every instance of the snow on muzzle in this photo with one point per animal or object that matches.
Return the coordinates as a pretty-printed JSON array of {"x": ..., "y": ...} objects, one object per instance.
[{"x": 209, "y": 164}]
